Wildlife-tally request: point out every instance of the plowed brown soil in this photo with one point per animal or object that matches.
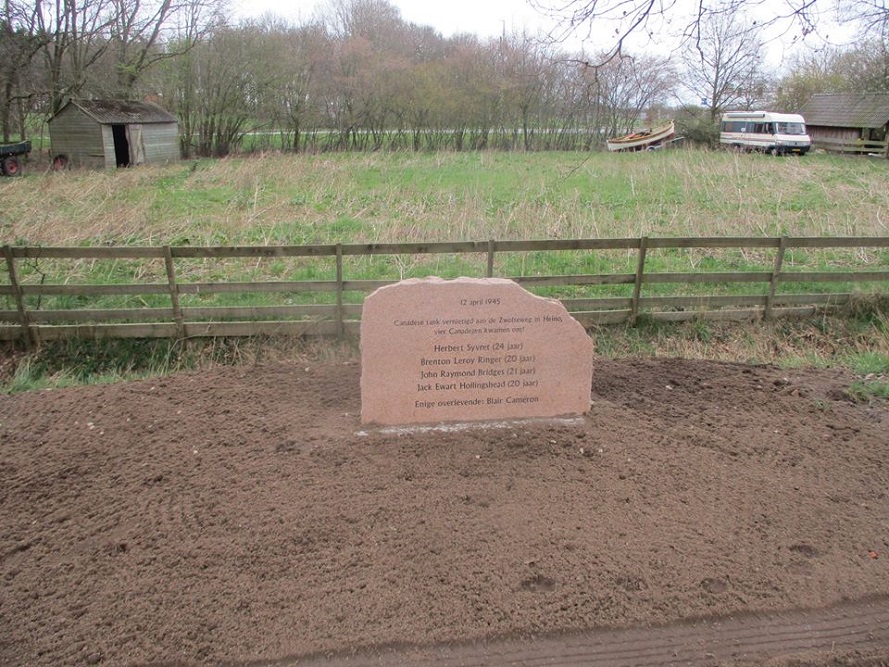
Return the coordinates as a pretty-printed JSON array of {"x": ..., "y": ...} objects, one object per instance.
[{"x": 243, "y": 515}]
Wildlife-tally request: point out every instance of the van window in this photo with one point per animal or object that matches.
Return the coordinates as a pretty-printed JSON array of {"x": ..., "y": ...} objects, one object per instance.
[{"x": 791, "y": 128}]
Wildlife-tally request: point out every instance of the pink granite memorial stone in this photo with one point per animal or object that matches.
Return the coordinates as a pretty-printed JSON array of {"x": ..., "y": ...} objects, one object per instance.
[{"x": 470, "y": 349}]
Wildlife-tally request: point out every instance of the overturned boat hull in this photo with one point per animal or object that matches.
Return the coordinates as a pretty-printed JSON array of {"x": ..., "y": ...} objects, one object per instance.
[{"x": 644, "y": 139}]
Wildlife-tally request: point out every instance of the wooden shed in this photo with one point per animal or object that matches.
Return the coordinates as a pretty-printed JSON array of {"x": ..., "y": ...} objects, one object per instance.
[
  {"x": 848, "y": 122},
  {"x": 113, "y": 133}
]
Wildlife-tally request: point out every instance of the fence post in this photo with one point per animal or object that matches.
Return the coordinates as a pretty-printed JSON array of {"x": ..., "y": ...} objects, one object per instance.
[
  {"x": 174, "y": 292},
  {"x": 340, "y": 317},
  {"x": 24, "y": 320},
  {"x": 640, "y": 275},
  {"x": 490, "y": 271},
  {"x": 773, "y": 279}
]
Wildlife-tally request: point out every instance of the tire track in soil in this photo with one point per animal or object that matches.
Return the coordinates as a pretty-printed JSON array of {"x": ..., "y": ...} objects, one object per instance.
[{"x": 817, "y": 637}]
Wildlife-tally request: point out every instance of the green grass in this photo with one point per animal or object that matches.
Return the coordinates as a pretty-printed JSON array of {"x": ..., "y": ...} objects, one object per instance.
[
  {"x": 872, "y": 368},
  {"x": 448, "y": 196},
  {"x": 869, "y": 363},
  {"x": 75, "y": 362},
  {"x": 863, "y": 390}
]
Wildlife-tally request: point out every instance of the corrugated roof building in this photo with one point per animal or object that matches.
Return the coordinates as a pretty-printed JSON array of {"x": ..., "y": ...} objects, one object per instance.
[
  {"x": 847, "y": 119},
  {"x": 113, "y": 133}
]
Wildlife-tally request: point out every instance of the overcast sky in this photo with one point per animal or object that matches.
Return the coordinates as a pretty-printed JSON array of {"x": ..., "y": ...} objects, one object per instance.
[
  {"x": 485, "y": 18},
  {"x": 490, "y": 18}
]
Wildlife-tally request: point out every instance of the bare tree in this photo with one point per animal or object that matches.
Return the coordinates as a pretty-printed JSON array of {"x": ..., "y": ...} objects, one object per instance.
[
  {"x": 723, "y": 66},
  {"x": 103, "y": 47},
  {"x": 73, "y": 38},
  {"x": 18, "y": 46},
  {"x": 298, "y": 58},
  {"x": 809, "y": 73},
  {"x": 867, "y": 66},
  {"x": 374, "y": 56},
  {"x": 138, "y": 29},
  {"x": 627, "y": 87},
  {"x": 474, "y": 92},
  {"x": 863, "y": 68},
  {"x": 871, "y": 15},
  {"x": 219, "y": 87},
  {"x": 612, "y": 22},
  {"x": 373, "y": 20}
]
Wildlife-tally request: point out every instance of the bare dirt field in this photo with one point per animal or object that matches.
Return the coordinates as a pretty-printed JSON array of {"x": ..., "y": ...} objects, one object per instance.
[{"x": 243, "y": 516}]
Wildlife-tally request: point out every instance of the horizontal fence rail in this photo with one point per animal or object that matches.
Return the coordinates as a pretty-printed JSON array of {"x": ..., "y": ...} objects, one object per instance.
[
  {"x": 857, "y": 146},
  {"x": 53, "y": 293}
]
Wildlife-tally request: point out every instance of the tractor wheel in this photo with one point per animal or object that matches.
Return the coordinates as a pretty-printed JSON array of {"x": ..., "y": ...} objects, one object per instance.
[{"x": 10, "y": 166}]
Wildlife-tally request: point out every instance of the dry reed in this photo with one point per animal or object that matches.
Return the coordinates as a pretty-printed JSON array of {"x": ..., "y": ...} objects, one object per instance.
[{"x": 446, "y": 197}]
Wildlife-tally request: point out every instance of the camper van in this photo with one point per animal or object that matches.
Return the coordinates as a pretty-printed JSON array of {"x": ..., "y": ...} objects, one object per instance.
[{"x": 765, "y": 131}]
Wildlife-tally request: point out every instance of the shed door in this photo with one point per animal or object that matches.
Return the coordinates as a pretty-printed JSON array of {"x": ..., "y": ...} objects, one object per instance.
[{"x": 137, "y": 148}]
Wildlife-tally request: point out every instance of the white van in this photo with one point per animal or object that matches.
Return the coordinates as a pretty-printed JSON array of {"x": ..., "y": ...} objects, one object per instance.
[{"x": 765, "y": 131}]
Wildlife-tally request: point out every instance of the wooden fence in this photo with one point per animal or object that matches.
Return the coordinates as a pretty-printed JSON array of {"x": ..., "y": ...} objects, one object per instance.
[
  {"x": 164, "y": 305},
  {"x": 854, "y": 146}
]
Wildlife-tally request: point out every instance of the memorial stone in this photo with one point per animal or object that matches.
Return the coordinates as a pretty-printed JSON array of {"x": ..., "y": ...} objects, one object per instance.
[{"x": 470, "y": 349}]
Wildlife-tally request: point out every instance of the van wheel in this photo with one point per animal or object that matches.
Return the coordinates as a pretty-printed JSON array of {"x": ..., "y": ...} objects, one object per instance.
[{"x": 774, "y": 151}]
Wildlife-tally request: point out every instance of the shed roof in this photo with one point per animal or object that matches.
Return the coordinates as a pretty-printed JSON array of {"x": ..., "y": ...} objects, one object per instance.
[
  {"x": 858, "y": 110},
  {"x": 123, "y": 111}
]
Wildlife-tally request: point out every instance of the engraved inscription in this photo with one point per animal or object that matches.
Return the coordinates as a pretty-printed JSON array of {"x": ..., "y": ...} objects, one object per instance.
[{"x": 470, "y": 349}]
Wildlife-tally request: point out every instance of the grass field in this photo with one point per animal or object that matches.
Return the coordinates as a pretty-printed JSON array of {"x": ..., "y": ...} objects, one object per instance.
[
  {"x": 406, "y": 197},
  {"x": 383, "y": 197}
]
